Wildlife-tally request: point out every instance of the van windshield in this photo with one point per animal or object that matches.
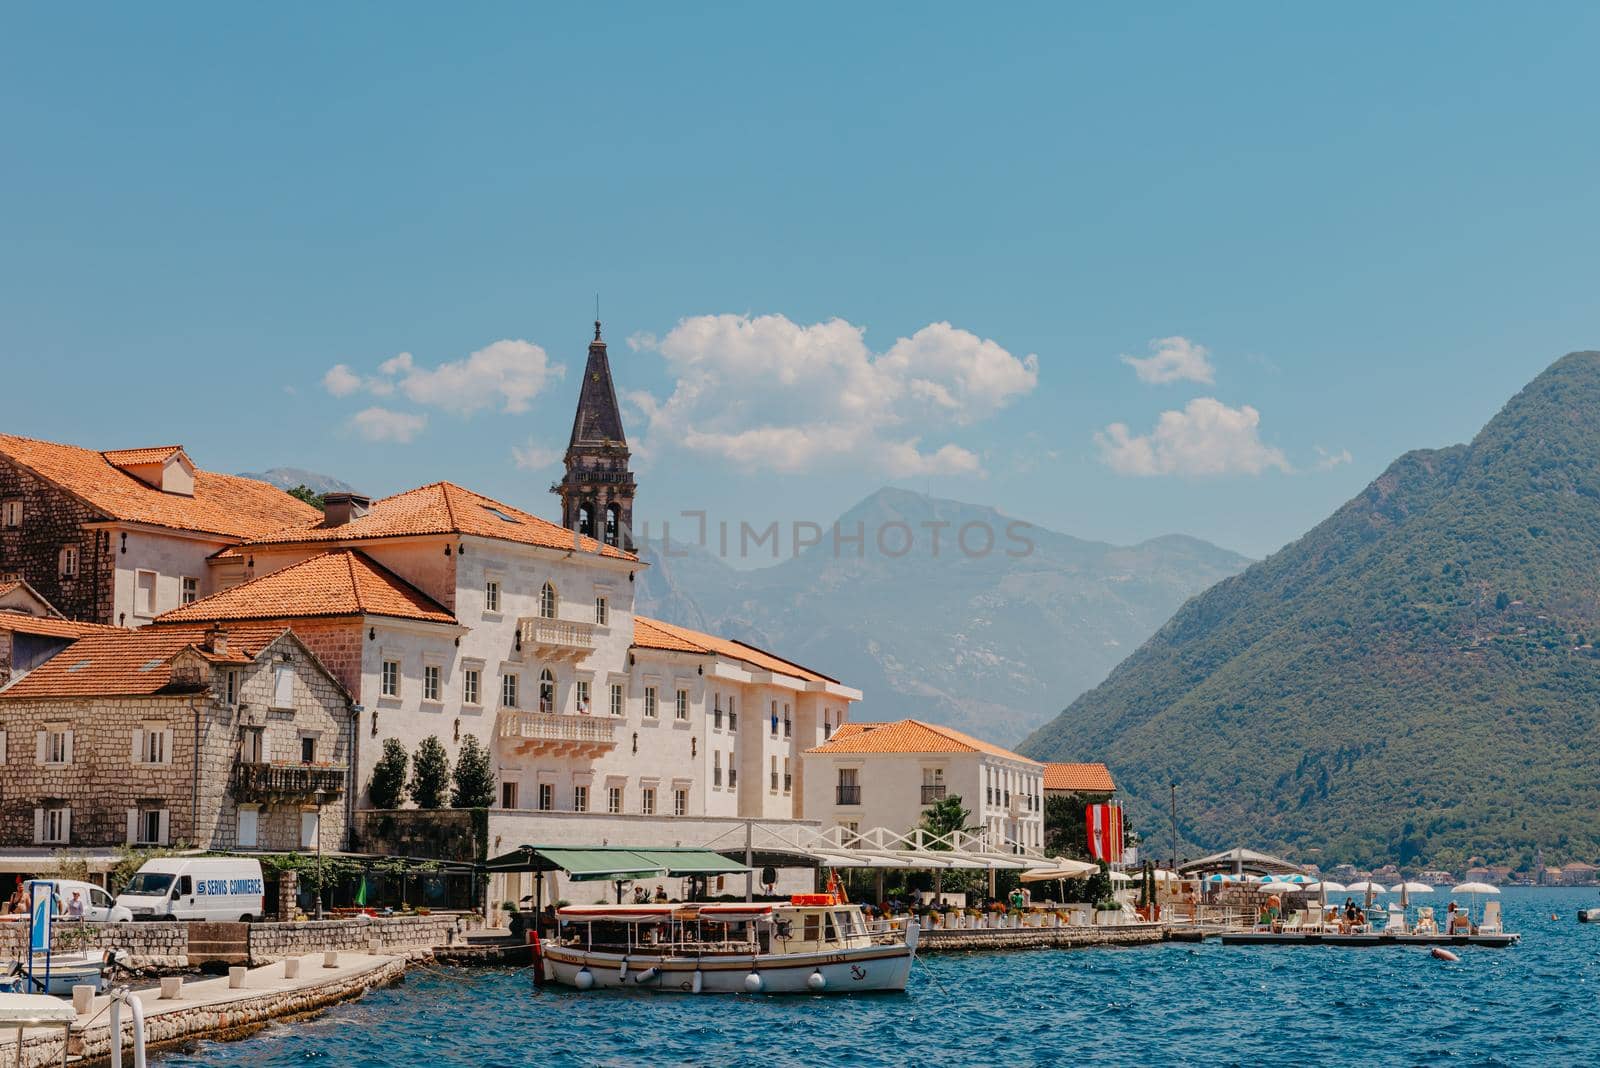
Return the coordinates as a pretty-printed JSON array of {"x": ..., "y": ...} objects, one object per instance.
[{"x": 149, "y": 884}]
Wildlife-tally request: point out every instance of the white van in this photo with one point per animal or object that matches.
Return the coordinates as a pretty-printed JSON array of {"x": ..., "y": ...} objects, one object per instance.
[
  {"x": 97, "y": 904},
  {"x": 196, "y": 888}
]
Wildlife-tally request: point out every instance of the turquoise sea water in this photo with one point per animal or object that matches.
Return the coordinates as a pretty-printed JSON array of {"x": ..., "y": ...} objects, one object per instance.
[{"x": 1168, "y": 1004}]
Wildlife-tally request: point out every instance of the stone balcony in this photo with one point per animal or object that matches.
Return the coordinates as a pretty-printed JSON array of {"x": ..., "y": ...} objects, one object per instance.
[
  {"x": 554, "y": 639},
  {"x": 558, "y": 734},
  {"x": 286, "y": 781}
]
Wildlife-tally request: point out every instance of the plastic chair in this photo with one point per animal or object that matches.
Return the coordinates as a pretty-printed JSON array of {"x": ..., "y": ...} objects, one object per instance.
[
  {"x": 1396, "y": 924},
  {"x": 1491, "y": 918}
]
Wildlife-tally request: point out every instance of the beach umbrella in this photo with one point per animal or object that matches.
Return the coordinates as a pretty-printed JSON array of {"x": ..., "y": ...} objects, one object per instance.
[
  {"x": 1279, "y": 887},
  {"x": 1475, "y": 888},
  {"x": 1327, "y": 886},
  {"x": 1405, "y": 890},
  {"x": 1162, "y": 875},
  {"x": 1119, "y": 876},
  {"x": 1297, "y": 877},
  {"x": 1369, "y": 888}
]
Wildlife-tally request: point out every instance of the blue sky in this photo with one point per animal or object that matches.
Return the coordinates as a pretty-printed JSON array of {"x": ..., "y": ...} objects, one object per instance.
[{"x": 1367, "y": 226}]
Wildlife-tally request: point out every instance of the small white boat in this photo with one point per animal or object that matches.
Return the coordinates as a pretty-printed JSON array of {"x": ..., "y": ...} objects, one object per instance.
[
  {"x": 811, "y": 945},
  {"x": 1589, "y": 915},
  {"x": 64, "y": 971}
]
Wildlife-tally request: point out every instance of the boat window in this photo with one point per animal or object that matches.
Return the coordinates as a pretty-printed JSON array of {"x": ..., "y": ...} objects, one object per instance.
[
  {"x": 846, "y": 923},
  {"x": 149, "y": 883},
  {"x": 813, "y": 928}
]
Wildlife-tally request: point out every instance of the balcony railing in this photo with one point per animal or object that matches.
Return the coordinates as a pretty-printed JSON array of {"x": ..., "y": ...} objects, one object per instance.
[
  {"x": 557, "y": 732},
  {"x": 554, "y": 639},
  {"x": 930, "y": 794},
  {"x": 849, "y": 795},
  {"x": 265, "y": 781}
]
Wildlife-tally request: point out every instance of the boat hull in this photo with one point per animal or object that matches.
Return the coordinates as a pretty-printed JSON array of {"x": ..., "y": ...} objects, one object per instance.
[
  {"x": 850, "y": 971},
  {"x": 77, "y": 970}
]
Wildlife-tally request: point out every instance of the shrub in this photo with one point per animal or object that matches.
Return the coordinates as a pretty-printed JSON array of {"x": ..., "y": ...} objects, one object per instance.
[
  {"x": 430, "y": 774},
  {"x": 388, "y": 783},
  {"x": 473, "y": 779}
]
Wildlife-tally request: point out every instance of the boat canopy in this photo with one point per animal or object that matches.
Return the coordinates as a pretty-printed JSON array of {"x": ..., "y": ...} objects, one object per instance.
[{"x": 614, "y": 863}]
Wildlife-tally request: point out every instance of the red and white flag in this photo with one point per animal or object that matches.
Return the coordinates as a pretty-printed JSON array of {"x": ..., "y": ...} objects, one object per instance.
[{"x": 1105, "y": 832}]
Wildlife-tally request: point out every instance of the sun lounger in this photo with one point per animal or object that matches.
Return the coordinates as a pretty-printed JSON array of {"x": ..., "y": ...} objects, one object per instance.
[
  {"x": 1491, "y": 918},
  {"x": 1425, "y": 923},
  {"x": 1397, "y": 921}
]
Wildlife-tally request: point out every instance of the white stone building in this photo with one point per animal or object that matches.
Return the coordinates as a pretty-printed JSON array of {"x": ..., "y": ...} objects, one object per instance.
[{"x": 886, "y": 774}]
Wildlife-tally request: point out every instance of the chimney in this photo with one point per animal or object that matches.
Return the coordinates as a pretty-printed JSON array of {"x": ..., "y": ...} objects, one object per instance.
[
  {"x": 217, "y": 641},
  {"x": 340, "y": 508}
]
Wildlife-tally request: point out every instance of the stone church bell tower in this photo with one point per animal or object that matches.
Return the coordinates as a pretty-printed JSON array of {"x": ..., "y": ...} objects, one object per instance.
[{"x": 597, "y": 490}]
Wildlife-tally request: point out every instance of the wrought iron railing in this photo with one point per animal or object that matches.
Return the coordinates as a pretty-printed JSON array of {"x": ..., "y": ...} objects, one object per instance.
[
  {"x": 930, "y": 794},
  {"x": 849, "y": 795},
  {"x": 274, "y": 779}
]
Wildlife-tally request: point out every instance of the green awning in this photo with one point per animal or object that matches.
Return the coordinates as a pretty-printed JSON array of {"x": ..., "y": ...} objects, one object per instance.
[{"x": 612, "y": 863}]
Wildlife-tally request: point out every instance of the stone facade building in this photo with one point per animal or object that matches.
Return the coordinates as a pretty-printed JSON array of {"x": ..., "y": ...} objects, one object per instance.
[
  {"x": 120, "y": 536},
  {"x": 222, "y": 739},
  {"x": 31, "y": 630}
]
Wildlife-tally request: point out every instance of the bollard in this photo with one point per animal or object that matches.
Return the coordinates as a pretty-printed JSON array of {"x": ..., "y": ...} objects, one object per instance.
[
  {"x": 82, "y": 998},
  {"x": 171, "y": 987},
  {"x": 330, "y": 959},
  {"x": 236, "y": 976},
  {"x": 291, "y": 968}
]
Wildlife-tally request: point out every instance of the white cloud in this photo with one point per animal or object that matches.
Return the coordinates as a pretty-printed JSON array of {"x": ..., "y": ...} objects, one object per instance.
[
  {"x": 533, "y": 457},
  {"x": 1174, "y": 359},
  {"x": 340, "y": 380},
  {"x": 1328, "y": 459},
  {"x": 507, "y": 374},
  {"x": 382, "y": 424},
  {"x": 766, "y": 393},
  {"x": 1206, "y": 438}
]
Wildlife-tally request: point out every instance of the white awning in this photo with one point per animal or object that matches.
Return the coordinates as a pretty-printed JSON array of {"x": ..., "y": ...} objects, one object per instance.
[{"x": 42, "y": 860}]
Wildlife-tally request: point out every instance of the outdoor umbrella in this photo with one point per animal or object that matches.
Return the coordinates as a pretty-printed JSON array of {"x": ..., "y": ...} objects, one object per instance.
[
  {"x": 1474, "y": 889},
  {"x": 1369, "y": 888},
  {"x": 1405, "y": 890},
  {"x": 1280, "y": 887}
]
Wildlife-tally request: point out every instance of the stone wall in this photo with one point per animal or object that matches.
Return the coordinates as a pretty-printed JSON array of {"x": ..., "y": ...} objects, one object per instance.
[
  {"x": 936, "y": 941},
  {"x": 51, "y": 519},
  {"x": 458, "y": 834},
  {"x": 148, "y": 945},
  {"x": 408, "y": 936}
]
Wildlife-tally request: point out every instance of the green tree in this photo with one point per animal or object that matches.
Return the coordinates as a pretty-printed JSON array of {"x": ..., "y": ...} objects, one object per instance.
[
  {"x": 430, "y": 774},
  {"x": 473, "y": 779},
  {"x": 310, "y": 496},
  {"x": 388, "y": 784},
  {"x": 943, "y": 817},
  {"x": 1066, "y": 832}
]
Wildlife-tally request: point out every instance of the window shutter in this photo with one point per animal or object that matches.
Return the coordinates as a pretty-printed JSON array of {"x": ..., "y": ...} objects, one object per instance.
[
  {"x": 2, "y": 747},
  {"x": 38, "y": 826},
  {"x": 133, "y": 826},
  {"x": 138, "y": 745},
  {"x": 38, "y": 744},
  {"x": 69, "y": 748},
  {"x": 66, "y": 826},
  {"x": 161, "y": 833},
  {"x": 166, "y": 746}
]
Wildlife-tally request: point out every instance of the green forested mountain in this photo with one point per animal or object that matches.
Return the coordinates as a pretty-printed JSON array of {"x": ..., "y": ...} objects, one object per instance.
[{"x": 1415, "y": 679}]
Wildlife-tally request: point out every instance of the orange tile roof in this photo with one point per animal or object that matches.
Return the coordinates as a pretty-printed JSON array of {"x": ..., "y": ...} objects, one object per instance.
[
  {"x": 441, "y": 508},
  {"x": 51, "y": 626},
  {"x": 222, "y": 504},
  {"x": 1079, "y": 778},
  {"x": 341, "y": 582},
  {"x": 909, "y": 736},
  {"x": 132, "y": 662},
  {"x": 154, "y": 454},
  {"x": 656, "y": 634}
]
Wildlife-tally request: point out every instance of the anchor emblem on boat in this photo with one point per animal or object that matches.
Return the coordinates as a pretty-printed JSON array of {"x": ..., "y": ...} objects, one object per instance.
[{"x": 857, "y": 972}]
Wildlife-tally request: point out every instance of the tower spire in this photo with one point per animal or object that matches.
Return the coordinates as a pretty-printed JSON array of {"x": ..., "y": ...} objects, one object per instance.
[{"x": 597, "y": 490}]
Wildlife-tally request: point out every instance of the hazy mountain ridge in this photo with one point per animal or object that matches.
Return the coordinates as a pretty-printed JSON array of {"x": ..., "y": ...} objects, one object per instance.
[
  {"x": 1415, "y": 677},
  {"x": 288, "y": 478},
  {"x": 983, "y": 641}
]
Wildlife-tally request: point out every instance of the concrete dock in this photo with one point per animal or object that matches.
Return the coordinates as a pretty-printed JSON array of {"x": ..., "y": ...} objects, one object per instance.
[
  {"x": 213, "y": 1008},
  {"x": 986, "y": 940}
]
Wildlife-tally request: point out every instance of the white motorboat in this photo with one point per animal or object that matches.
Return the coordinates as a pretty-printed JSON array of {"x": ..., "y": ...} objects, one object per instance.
[
  {"x": 59, "y": 975},
  {"x": 813, "y": 944}
]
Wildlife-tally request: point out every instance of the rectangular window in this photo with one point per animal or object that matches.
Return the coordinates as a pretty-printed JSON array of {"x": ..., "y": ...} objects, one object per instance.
[
  {"x": 390, "y": 683},
  {"x": 680, "y": 802},
  {"x": 580, "y": 799},
  {"x": 602, "y": 614},
  {"x": 849, "y": 789},
  {"x": 55, "y": 747},
  {"x": 582, "y": 687},
  {"x": 230, "y": 688},
  {"x": 788, "y": 726},
  {"x": 191, "y": 591},
  {"x": 283, "y": 686},
  {"x": 55, "y": 825},
  {"x": 508, "y": 691},
  {"x": 614, "y": 800},
  {"x": 491, "y": 596},
  {"x": 430, "y": 682},
  {"x": 647, "y": 801},
  {"x": 649, "y": 702},
  {"x": 716, "y": 768},
  {"x": 733, "y": 717},
  {"x": 773, "y": 786},
  {"x": 788, "y": 779},
  {"x": 69, "y": 561},
  {"x": 150, "y": 826},
  {"x": 470, "y": 679},
  {"x": 249, "y": 824},
  {"x": 144, "y": 593},
  {"x": 682, "y": 708},
  {"x": 308, "y": 749},
  {"x": 508, "y": 795},
  {"x": 716, "y": 711},
  {"x": 547, "y": 796},
  {"x": 153, "y": 745},
  {"x": 251, "y": 750},
  {"x": 733, "y": 773},
  {"x": 11, "y": 514},
  {"x": 616, "y": 699},
  {"x": 774, "y": 719}
]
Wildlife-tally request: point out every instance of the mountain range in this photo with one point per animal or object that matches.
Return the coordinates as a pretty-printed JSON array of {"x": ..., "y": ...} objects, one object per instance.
[
  {"x": 287, "y": 478},
  {"x": 1415, "y": 679},
  {"x": 946, "y": 611}
]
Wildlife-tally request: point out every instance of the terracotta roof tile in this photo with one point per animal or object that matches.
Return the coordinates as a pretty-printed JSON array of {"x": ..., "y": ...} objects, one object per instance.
[
  {"x": 154, "y": 454},
  {"x": 342, "y": 582},
  {"x": 131, "y": 662},
  {"x": 51, "y": 626},
  {"x": 1079, "y": 778},
  {"x": 909, "y": 736},
  {"x": 657, "y": 634},
  {"x": 222, "y": 504},
  {"x": 441, "y": 508}
]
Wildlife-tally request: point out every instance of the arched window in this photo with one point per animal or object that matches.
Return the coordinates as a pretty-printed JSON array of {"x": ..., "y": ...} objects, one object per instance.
[
  {"x": 547, "y": 691},
  {"x": 613, "y": 524},
  {"x": 586, "y": 519},
  {"x": 547, "y": 602}
]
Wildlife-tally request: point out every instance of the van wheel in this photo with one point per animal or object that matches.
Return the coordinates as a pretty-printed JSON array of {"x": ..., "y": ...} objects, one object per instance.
[{"x": 247, "y": 918}]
